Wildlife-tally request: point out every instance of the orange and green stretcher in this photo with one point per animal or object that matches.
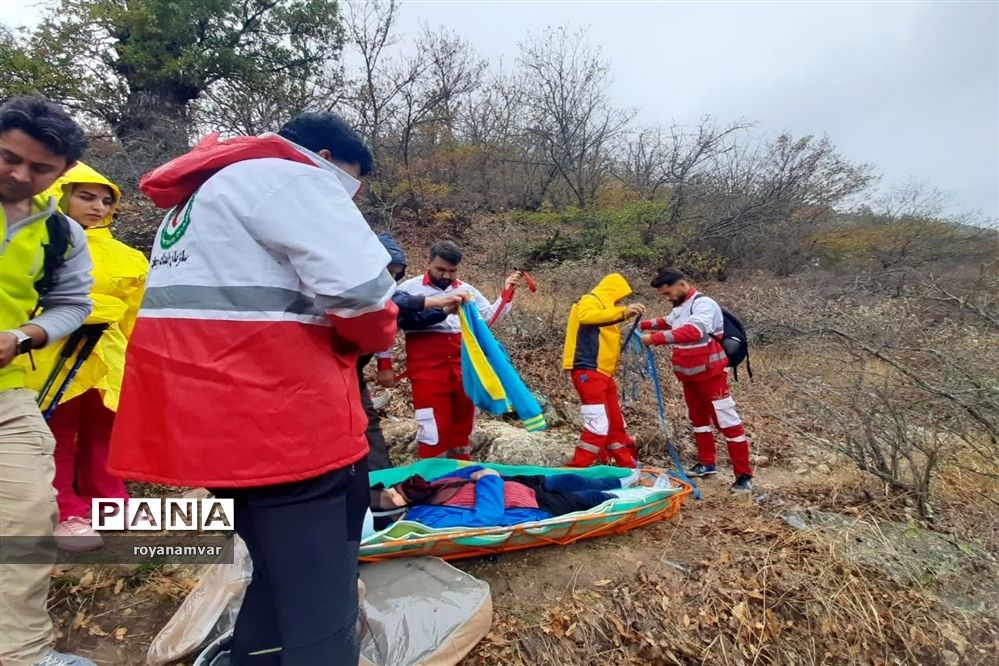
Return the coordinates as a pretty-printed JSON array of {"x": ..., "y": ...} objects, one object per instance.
[{"x": 616, "y": 516}]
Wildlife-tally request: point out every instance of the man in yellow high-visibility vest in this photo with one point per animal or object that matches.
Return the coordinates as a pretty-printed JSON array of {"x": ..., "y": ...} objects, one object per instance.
[{"x": 44, "y": 266}]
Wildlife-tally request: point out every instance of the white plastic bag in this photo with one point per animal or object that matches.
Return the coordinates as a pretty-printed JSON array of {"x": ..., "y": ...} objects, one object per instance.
[
  {"x": 413, "y": 612},
  {"x": 208, "y": 612}
]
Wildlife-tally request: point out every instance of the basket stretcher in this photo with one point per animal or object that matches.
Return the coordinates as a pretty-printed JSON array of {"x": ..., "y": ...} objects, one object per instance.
[{"x": 409, "y": 539}]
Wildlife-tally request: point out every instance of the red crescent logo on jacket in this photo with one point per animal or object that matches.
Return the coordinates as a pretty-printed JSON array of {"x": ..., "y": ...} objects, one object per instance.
[{"x": 180, "y": 220}]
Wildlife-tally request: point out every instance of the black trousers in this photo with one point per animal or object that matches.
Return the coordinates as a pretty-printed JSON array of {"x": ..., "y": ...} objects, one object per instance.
[
  {"x": 303, "y": 538},
  {"x": 378, "y": 457}
]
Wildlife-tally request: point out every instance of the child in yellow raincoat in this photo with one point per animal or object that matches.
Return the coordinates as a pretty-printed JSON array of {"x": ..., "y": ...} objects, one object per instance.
[{"x": 82, "y": 421}]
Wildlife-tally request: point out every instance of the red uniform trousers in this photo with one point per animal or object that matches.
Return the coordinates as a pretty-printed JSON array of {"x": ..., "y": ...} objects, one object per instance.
[
  {"x": 82, "y": 430},
  {"x": 710, "y": 402},
  {"x": 444, "y": 414},
  {"x": 604, "y": 436}
]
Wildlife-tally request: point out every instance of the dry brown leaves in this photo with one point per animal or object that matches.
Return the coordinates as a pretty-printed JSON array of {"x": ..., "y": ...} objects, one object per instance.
[
  {"x": 92, "y": 606},
  {"x": 767, "y": 595}
]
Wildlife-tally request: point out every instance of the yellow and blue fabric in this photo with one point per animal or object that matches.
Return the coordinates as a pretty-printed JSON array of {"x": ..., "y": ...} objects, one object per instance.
[{"x": 490, "y": 380}]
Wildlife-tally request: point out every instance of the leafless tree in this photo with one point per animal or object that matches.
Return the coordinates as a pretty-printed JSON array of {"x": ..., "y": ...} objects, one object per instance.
[
  {"x": 424, "y": 91},
  {"x": 902, "y": 386},
  {"x": 978, "y": 299},
  {"x": 805, "y": 176},
  {"x": 676, "y": 158},
  {"x": 489, "y": 124},
  {"x": 431, "y": 86},
  {"x": 235, "y": 108},
  {"x": 569, "y": 112},
  {"x": 661, "y": 156},
  {"x": 912, "y": 199},
  {"x": 370, "y": 28}
]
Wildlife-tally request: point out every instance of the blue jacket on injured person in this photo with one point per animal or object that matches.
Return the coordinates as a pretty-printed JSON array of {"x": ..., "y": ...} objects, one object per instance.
[{"x": 479, "y": 497}]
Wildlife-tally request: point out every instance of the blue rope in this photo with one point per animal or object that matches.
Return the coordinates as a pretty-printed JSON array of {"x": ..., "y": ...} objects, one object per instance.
[
  {"x": 653, "y": 373},
  {"x": 631, "y": 370}
]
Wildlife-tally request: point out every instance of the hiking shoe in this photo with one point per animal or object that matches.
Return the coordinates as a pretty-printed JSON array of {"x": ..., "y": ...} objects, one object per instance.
[
  {"x": 743, "y": 484},
  {"x": 54, "y": 658},
  {"x": 700, "y": 470},
  {"x": 75, "y": 534}
]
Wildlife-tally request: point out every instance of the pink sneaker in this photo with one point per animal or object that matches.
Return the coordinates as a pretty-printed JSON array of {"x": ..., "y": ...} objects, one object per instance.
[{"x": 75, "y": 534}]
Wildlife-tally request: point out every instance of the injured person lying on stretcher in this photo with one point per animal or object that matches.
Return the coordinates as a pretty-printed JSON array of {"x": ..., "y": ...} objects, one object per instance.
[{"x": 480, "y": 497}]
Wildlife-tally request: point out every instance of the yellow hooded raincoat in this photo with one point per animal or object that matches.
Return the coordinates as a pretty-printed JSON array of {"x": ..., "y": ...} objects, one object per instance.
[
  {"x": 592, "y": 337},
  {"x": 119, "y": 280}
]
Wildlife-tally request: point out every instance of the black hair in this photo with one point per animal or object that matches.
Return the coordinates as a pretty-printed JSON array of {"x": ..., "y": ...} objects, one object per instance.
[
  {"x": 668, "y": 277},
  {"x": 318, "y": 130},
  {"x": 447, "y": 251},
  {"x": 45, "y": 122}
]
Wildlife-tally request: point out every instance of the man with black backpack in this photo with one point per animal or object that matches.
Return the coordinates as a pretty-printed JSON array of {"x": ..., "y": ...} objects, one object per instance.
[
  {"x": 44, "y": 265},
  {"x": 696, "y": 331}
]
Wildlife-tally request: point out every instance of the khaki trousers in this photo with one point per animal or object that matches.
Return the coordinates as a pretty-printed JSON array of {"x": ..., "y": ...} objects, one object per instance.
[{"x": 27, "y": 509}]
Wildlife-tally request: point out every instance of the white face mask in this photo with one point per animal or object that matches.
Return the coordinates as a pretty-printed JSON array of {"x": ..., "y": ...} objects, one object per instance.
[{"x": 351, "y": 184}]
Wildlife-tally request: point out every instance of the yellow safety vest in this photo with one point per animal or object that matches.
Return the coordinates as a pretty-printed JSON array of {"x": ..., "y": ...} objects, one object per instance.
[{"x": 21, "y": 265}]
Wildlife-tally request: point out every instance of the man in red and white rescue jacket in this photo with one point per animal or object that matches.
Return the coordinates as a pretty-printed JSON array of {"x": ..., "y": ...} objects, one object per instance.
[
  {"x": 266, "y": 284},
  {"x": 695, "y": 328},
  {"x": 444, "y": 413}
]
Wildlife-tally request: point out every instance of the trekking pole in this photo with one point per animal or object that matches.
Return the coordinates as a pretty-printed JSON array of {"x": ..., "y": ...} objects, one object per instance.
[
  {"x": 631, "y": 332},
  {"x": 650, "y": 365},
  {"x": 68, "y": 349},
  {"x": 93, "y": 333}
]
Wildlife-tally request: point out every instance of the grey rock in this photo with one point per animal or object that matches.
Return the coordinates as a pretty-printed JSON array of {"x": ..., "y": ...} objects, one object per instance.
[
  {"x": 501, "y": 442},
  {"x": 795, "y": 521},
  {"x": 552, "y": 414},
  {"x": 572, "y": 414},
  {"x": 400, "y": 435}
]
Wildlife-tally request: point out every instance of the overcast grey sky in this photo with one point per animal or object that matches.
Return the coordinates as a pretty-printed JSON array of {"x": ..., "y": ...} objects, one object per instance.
[{"x": 912, "y": 87}]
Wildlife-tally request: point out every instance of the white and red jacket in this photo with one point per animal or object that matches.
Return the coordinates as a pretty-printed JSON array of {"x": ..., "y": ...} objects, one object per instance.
[
  {"x": 441, "y": 342},
  {"x": 265, "y": 285},
  {"x": 694, "y": 329}
]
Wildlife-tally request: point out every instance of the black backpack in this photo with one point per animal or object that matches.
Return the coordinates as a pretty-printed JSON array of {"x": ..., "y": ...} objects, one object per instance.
[
  {"x": 735, "y": 342},
  {"x": 54, "y": 254}
]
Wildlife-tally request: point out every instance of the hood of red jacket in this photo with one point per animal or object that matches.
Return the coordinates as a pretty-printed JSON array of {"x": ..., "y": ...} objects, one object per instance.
[{"x": 174, "y": 182}]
